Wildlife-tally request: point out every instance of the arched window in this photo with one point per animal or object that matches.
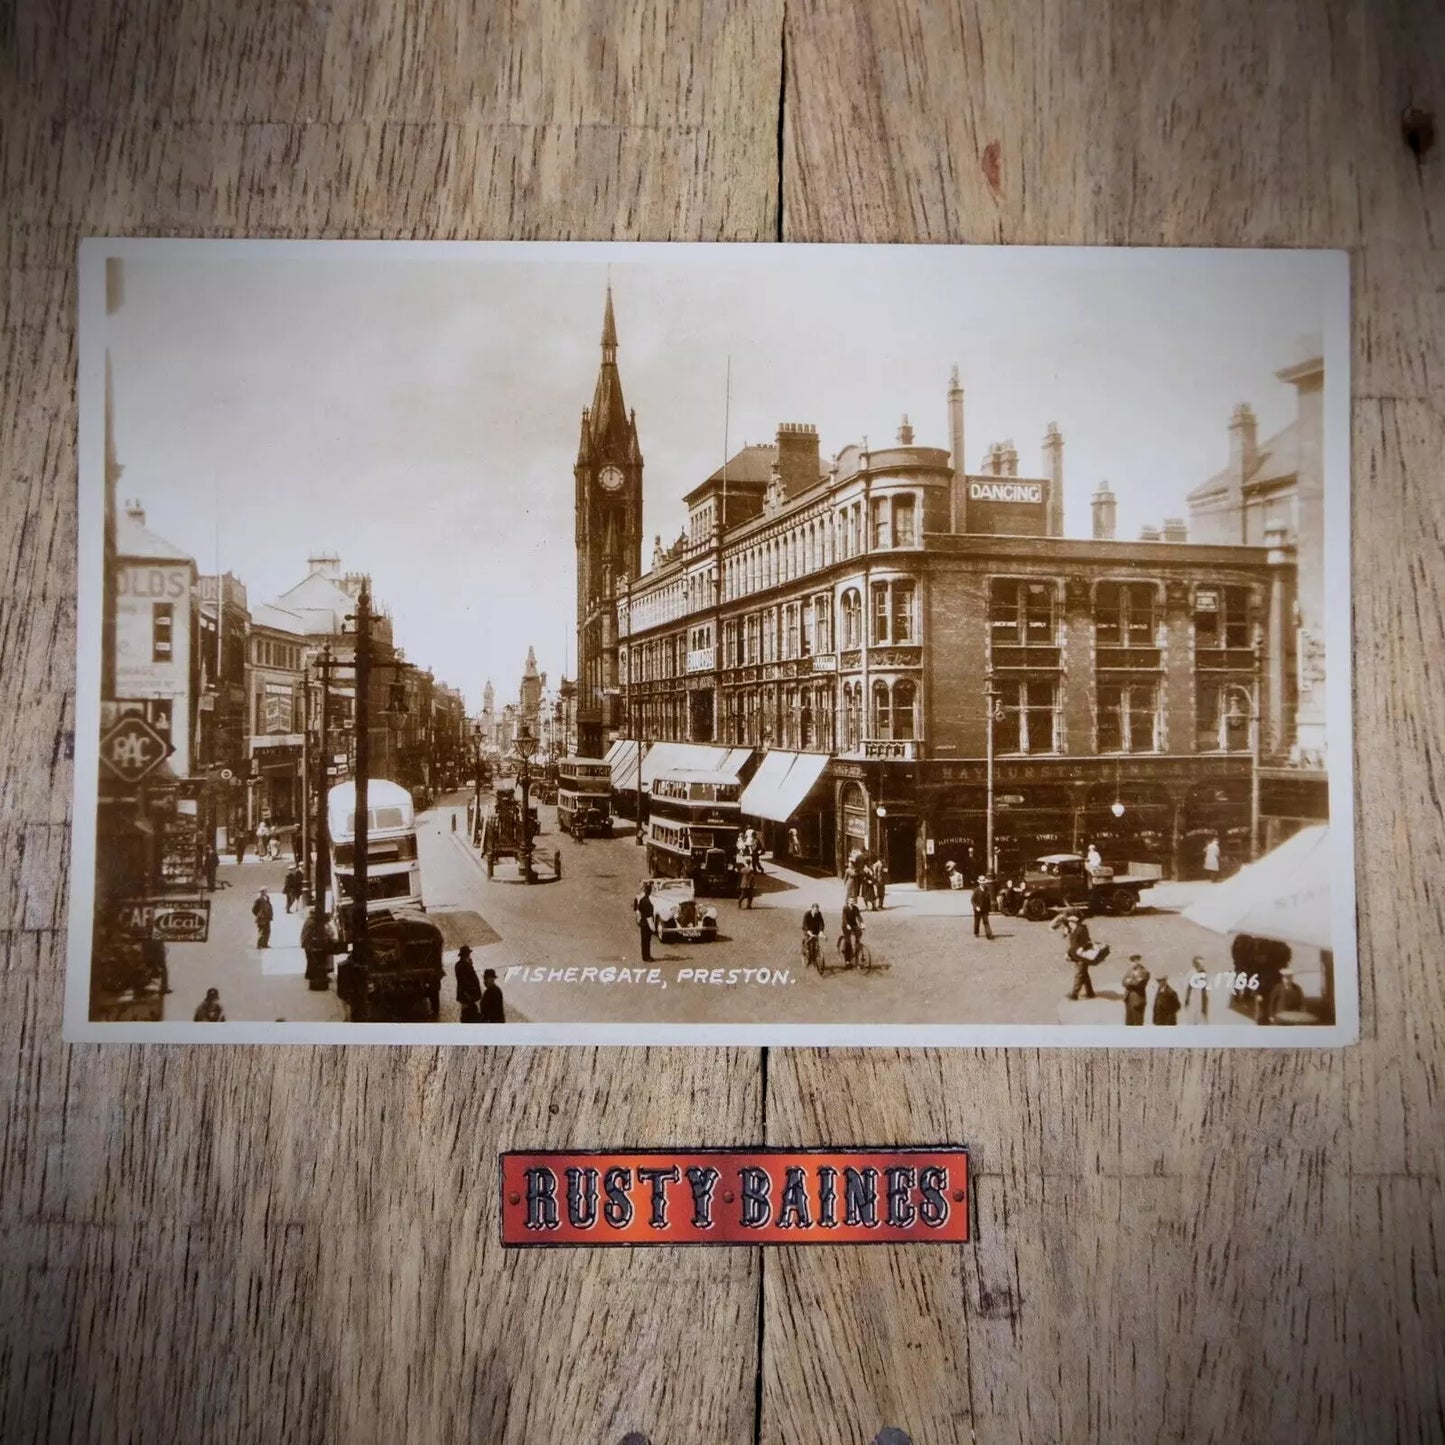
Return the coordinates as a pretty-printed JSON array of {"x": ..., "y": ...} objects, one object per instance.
[
  {"x": 905, "y": 695},
  {"x": 851, "y": 720},
  {"x": 882, "y": 711},
  {"x": 852, "y": 618}
]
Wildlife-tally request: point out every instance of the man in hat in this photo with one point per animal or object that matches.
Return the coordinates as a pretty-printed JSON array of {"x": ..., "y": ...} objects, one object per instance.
[
  {"x": 469, "y": 987},
  {"x": 1166, "y": 1003},
  {"x": 643, "y": 910},
  {"x": 263, "y": 913},
  {"x": 1136, "y": 982},
  {"x": 1078, "y": 951},
  {"x": 982, "y": 904},
  {"x": 492, "y": 1009}
]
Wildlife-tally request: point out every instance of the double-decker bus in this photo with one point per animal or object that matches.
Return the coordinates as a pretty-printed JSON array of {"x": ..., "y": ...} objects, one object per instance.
[
  {"x": 693, "y": 826},
  {"x": 393, "y": 877},
  {"x": 584, "y": 789}
]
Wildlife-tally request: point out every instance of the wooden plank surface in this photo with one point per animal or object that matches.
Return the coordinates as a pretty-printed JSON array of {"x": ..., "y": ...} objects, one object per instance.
[
  {"x": 246, "y": 1244},
  {"x": 1204, "y": 1248},
  {"x": 289, "y": 1243}
]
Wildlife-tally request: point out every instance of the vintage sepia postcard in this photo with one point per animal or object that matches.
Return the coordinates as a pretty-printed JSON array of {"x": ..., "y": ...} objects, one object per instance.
[{"x": 553, "y": 643}]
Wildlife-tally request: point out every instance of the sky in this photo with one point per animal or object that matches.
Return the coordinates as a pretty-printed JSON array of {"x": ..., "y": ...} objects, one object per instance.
[{"x": 417, "y": 411}]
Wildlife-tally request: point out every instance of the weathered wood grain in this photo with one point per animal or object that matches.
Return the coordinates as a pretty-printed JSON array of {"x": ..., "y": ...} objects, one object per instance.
[
  {"x": 290, "y": 1243},
  {"x": 1207, "y": 1247}
]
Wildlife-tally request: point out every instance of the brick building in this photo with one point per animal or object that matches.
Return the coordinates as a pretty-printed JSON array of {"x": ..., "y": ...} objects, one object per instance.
[{"x": 840, "y": 622}]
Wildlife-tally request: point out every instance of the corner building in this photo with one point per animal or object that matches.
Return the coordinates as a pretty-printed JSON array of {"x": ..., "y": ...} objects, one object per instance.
[{"x": 837, "y": 625}]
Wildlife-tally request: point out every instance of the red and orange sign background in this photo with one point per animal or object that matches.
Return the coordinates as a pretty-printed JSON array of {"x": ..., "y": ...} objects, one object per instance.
[{"x": 727, "y": 1202}]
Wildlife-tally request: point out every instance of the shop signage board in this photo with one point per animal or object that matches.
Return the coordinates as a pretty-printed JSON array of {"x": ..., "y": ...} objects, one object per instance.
[
  {"x": 163, "y": 920},
  {"x": 133, "y": 749}
]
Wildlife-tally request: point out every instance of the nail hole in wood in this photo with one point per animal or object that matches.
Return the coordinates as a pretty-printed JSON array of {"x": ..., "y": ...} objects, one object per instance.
[{"x": 1418, "y": 128}]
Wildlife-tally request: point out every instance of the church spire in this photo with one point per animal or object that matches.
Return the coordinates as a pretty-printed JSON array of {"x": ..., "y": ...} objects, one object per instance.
[{"x": 609, "y": 332}]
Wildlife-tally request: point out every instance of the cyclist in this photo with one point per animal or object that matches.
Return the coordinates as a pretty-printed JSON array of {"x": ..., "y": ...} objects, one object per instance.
[
  {"x": 813, "y": 927},
  {"x": 852, "y": 939}
]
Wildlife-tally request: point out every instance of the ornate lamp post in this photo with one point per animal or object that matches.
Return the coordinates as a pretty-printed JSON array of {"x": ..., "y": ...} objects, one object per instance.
[
  {"x": 525, "y": 746},
  {"x": 476, "y": 781},
  {"x": 993, "y": 711},
  {"x": 1250, "y": 711}
]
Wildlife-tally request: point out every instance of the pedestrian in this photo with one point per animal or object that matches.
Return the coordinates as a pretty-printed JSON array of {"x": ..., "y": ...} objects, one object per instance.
[
  {"x": 1136, "y": 982},
  {"x": 1080, "y": 952},
  {"x": 239, "y": 846},
  {"x": 1211, "y": 860},
  {"x": 1093, "y": 858},
  {"x": 1286, "y": 998},
  {"x": 853, "y": 883},
  {"x": 879, "y": 879},
  {"x": 1196, "y": 993},
  {"x": 955, "y": 878},
  {"x": 643, "y": 911},
  {"x": 315, "y": 943},
  {"x": 263, "y": 838},
  {"x": 213, "y": 861},
  {"x": 209, "y": 1011},
  {"x": 263, "y": 913},
  {"x": 492, "y": 1010},
  {"x": 296, "y": 845},
  {"x": 1166, "y": 1003},
  {"x": 293, "y": 887},
  {"x": 982, "y": 905},
  {"x": 795, "y": 844},
  {"x": 755, "y": 850},
  {"x": 746, "y": 882},
  {"x": 469, "y": 987}
]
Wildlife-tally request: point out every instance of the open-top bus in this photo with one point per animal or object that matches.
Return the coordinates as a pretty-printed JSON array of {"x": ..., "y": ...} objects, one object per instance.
[
  {"x": 584, "y": 790},
  {"x": 393, "y": 878},
  {"x": 693, "y": 826}
]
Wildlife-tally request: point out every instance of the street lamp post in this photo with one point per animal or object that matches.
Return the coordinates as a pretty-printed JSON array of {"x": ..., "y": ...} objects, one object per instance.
[
  {"x": 476, "y": 782},
  {"x": 1236, "y": 690},
  {"x": 525, "y": 746},
  {"x": 993, "y": 710}
]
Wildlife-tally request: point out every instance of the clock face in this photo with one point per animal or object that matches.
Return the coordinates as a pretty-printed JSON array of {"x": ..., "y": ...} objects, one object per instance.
[{"x": 610, "y": 478}]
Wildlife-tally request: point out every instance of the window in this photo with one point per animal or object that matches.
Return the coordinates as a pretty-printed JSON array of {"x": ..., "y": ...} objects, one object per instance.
[
  {"x": 882, "y": 525},
  {"x": 1221, "y": 617},
  {"x": 1028, "y": 712},
  {"x": 805, "y": 628},
  {"x": 882, "y": 712},
  {"x": 852, "y": 618},
  {"x": 905, "y": 695},
  {"x": 1124, "y": 614},
  {"x": 1222, "y": 716},
  {"x": 893, "y": 612},
  {"x": 823, "y": 623},
  {"x": 1128, "y": 717},
  {"x": 163, "y": 620},
  {"x": 791, "y": 630},
  {"x": 1021, "y": 613},
  {"x": 852, "y": 699},
  {"x": 905, "y": 530}
]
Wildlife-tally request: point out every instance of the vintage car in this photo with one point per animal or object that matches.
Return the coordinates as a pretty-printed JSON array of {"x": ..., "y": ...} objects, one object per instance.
[
  {"x": 406, "y": 969},
  {"x": 1065, "y": 880},
  {"x": 678, "y": 914}
]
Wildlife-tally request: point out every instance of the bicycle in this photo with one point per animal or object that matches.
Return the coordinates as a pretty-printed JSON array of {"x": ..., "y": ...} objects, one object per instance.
[
  {"x": 812, "y": 952},
  {"x": 858, "y": 955}
]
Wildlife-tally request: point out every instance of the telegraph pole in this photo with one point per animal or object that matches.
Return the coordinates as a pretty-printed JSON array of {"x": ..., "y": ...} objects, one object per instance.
[
  {"x": 359, "y": 951},
  {"x": 991, "y": 702},
  {"x": 320, "y": 867}
]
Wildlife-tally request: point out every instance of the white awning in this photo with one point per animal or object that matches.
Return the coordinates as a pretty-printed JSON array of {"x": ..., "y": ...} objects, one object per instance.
[
  {"x": 622, "y": 756},
  {"x": 1285, "y": 895},
  {"x": 781, "y": 783},
  {"x": 695, "y": 757}
]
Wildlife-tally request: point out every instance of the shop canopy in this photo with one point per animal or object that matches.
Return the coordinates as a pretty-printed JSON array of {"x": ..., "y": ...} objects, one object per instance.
[
  {"x": 781, "y": 783},
  {"x": 622, "y": 756},
  {"x": 694, "y": 757},
  {"x": 1284, "y": 896}
]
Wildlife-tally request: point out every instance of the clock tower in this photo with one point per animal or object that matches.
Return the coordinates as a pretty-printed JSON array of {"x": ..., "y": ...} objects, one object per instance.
[{"x": 608, "y": 475}]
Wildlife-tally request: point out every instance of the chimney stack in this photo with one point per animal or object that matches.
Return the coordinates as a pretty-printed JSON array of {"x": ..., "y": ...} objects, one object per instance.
[
  {"x": 958, "y": 508},
  {"x": 328, "y": 564},
  {"x": 905, "y": 432},
  {"x": 1105, "y": 508},
  {"x": 1176, "y": 529},
  {"x": 1243, "y": 442},
  {"x": 135, "y": 513},
  {"x": 1009, "y": 459},
  {"x": 1148, "y": 534},
  {"x": 798, "y": 459},
  {"x": 1054, "y": 471}
]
